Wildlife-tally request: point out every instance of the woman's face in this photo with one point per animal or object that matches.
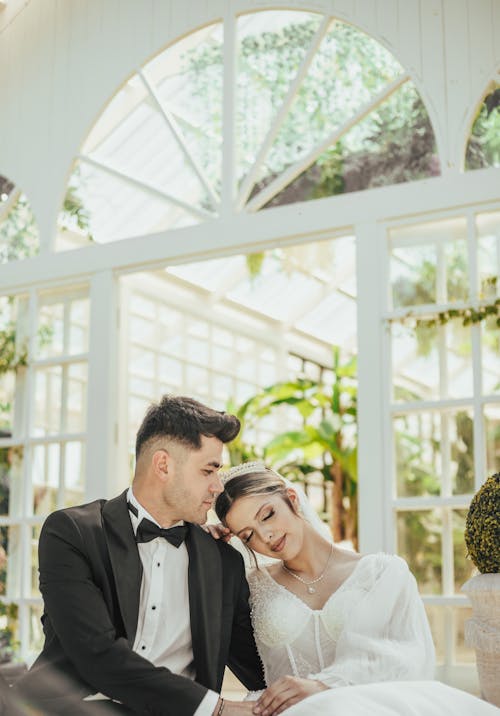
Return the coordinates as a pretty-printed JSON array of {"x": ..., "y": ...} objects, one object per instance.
[{"x": 267, "y": 524}]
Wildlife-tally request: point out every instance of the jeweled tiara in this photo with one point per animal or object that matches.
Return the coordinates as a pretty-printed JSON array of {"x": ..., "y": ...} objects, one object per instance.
[{"x": 245, "y": 468}]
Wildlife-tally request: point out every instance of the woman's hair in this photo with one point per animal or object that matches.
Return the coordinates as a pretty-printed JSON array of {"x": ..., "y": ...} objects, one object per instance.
[{"x": 264, "y": 482}]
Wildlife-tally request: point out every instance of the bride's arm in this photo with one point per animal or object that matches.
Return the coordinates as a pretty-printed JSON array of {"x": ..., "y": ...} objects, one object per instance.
[{"x": 387, "y": 636}]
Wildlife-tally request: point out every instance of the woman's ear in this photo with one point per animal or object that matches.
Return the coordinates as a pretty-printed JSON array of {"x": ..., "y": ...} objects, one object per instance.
[{"x": 292, "y": 496}]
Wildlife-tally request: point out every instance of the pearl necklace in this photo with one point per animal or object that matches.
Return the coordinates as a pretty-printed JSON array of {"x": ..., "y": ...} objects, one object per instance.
[{"x": 310, "y": 588}]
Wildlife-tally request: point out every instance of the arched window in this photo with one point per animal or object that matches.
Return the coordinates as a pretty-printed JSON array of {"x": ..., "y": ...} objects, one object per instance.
[
  {"x": 305, "y": 106},
  {"x": 483, "y": 147},
  {"x": 18, "y": 230}
]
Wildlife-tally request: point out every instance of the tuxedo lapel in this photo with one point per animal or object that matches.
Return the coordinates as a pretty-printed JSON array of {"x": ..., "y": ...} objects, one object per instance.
[
  {"x": 205, "y": 604},
  {"x": 125, "y": 561}
]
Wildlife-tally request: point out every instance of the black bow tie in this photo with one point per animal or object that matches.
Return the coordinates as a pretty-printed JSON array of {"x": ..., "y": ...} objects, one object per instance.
[{"x": 147, "y": 531}]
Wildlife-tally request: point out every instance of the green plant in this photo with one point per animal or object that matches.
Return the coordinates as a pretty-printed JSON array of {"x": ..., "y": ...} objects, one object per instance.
[
  {"x": 482, "y": 526},
  {"x": 325, "y": 443}
]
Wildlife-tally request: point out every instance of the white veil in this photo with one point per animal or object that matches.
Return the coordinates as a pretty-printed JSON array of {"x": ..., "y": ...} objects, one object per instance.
[{"x": 305, "y": 508}]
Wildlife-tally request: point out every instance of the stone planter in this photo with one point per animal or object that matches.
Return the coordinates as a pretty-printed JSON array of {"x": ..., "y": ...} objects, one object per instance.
[{"x": 483, "y": 632}]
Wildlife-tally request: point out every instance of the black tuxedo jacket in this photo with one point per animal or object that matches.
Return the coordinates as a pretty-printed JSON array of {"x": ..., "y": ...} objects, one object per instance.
[{"x": 90, "y": 579}]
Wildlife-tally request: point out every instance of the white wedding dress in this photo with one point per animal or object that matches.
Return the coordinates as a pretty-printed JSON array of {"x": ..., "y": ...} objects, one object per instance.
[{"x": 370, "y": 643}]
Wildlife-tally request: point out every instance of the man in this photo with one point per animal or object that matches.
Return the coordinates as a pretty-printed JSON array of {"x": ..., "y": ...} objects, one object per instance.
[{"x": 146, "y": 618}]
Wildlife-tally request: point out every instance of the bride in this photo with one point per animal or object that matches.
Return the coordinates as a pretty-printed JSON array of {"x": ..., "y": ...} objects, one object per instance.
[{"x": 337, "y": 632}]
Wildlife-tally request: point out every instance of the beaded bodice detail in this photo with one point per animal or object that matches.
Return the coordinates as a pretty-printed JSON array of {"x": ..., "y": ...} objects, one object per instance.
[{"x": 291, "y": 637}]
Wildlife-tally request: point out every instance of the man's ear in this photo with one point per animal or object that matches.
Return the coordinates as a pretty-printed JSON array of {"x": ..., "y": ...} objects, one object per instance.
[{"x": 161, "y": 462}]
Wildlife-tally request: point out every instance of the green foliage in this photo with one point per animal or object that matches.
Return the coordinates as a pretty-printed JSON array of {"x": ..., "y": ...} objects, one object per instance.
[
  {"x": 482, "y": 527},
  {"x": 483, "y": 149},
  {"x": 394, "y": 143},
  {"x": 9, "y": 643},
  {"x": 12, "y": 356},
  {"x": 325, "y": 443},
  {"x": 74, "y": 214},
  {"x": 18, "y": 232}
]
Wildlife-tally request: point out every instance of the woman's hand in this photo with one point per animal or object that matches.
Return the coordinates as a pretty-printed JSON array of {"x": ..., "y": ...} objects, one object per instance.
[
  {"x": 218, "y": 531},
  {"x": 286, "y": 692}
]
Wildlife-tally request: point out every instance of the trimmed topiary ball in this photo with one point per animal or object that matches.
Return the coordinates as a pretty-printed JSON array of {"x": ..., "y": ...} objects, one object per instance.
[{"x": 482, "y": 526}]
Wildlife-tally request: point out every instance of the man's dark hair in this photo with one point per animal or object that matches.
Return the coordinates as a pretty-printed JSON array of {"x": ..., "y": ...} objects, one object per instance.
[{"x": 185, "y": 420}]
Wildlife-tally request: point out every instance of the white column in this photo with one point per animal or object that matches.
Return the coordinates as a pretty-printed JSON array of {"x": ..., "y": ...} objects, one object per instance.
[
  {"x": 101, "y": 472},
  {"x": 373, "y": 494}
]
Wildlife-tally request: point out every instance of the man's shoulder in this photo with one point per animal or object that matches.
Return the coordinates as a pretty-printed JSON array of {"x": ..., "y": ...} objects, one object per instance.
[
  {"x": 229, "y": 555},
  {"x": 86, "y": 514}
]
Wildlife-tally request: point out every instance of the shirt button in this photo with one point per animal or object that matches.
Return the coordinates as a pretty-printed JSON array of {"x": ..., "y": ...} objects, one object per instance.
[
  {"x": 153, "y": 607},
  {"x": 143, "y": 647},
  {"x": 158, "y": 564}
]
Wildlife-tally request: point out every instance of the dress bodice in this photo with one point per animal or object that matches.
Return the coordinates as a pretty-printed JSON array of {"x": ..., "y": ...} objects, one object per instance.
[{"x": 291, "y": 637}]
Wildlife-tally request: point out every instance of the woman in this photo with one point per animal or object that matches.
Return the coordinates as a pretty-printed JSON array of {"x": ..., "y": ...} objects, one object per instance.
[{"x": 330, "y": 624}]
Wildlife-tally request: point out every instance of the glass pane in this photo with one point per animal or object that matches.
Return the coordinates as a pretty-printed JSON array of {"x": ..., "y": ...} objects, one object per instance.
[
  {"x": 429, "y": 263},
  {"x": 488, "y": 254},
  {"x": 188, "y": 77},
  {"x": 490, "y": 341},
  {"x": 74, "y": 473},
  {"x": 35, "y": 536},
  {"x": 271, "y": 46},
  {"x": 413, "y": 275},
  {"x": 347, "y": 71},
  {"x": 483, "y": 149},
  {"x": 50, "y": 336},
  {"x": 19, "y": 238},
  {"x": 435, "y": 616},
  {"x": 142, "y": 330},
  {"x": 13, "y": 358},
  {"x": 10, "y": 562},
  {"x": 417, "y": 442},
  {"x": 492, "y": 432},
  {"x": 463, "y": 654},
  {"x": 461, "y": 438},
  {"x": 48, "y": 400},
  {"x": 395, "y": 143},
  {"x": 419, "y": 542},
  {"x": 79, "y": 326},
  {"x": 76, "y": 406},
  {"x": 463, "y": 568},
  {"x": 45, "y": 471},
  {"x": 415, "y": 363},
  {"x": 171, "y": 370},
  {"x": 142, "y": 362},
  {"x": 36, "y": 637},
  {"x": 456, "y": 262},
  {"x": 458, "y": 360},
  {"x": 11, "y": 481}
]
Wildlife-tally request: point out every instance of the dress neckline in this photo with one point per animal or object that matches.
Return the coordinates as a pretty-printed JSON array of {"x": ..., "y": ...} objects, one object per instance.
[{"x": 302, "y": 602}]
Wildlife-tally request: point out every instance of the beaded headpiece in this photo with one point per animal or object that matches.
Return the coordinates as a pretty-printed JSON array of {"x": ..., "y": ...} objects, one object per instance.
[{"x": 246, "y": 468}]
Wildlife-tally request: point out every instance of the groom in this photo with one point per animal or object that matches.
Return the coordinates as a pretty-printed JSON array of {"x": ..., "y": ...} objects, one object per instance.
[{"x": 142, "y": 608}]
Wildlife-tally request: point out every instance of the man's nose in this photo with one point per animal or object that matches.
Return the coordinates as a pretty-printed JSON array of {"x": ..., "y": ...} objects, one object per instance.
[{"x": 217, "y": 486}]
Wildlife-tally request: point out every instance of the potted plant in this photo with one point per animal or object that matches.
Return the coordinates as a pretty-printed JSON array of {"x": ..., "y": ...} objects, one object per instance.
[{"x": 482, "y": 537}]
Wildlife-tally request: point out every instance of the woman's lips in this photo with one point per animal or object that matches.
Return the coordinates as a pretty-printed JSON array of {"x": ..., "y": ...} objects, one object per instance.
[{"x": 279, "y": 545}]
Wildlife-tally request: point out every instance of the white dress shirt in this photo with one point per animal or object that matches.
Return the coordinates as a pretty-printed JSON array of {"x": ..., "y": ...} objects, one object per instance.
[
  {"x": 163, "y": 625},
  {"x": 163, "y": 633}
]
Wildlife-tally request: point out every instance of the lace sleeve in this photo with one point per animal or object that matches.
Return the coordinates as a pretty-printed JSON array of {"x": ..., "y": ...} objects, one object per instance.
[{"x": 387, "y": 636}]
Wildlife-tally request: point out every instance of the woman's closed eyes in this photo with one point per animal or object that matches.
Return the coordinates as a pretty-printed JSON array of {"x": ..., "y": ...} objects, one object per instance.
[{"x": 265, "y": 517}]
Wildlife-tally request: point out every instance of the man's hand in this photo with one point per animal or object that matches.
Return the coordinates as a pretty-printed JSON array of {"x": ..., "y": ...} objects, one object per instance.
[
  {"x": 235, "y": 708},
  {"x": 286, "y": 692},
  {"x": 218, "y": 531}
]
